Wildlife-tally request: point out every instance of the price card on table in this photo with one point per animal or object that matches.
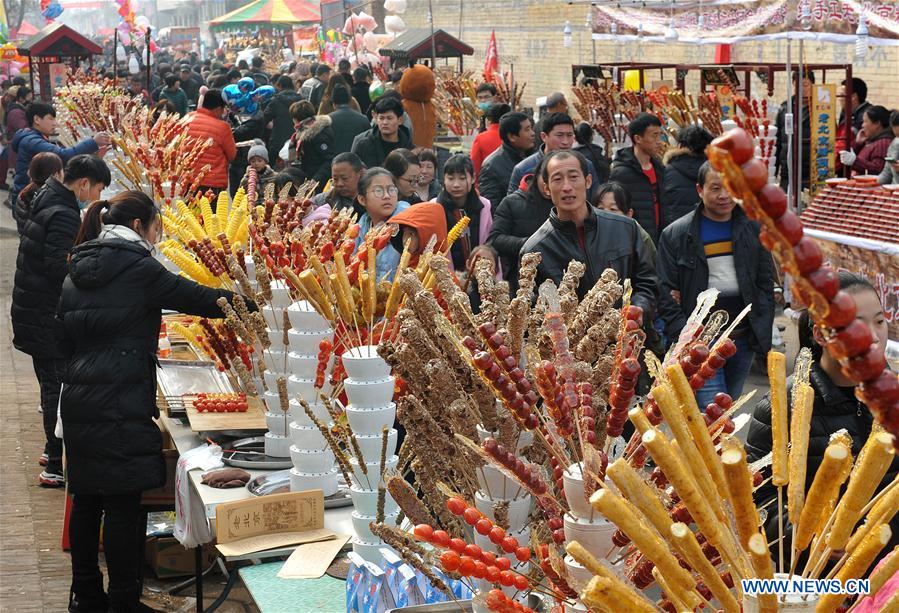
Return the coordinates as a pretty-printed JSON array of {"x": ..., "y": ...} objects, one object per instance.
[{"x": 257, "y": 524}]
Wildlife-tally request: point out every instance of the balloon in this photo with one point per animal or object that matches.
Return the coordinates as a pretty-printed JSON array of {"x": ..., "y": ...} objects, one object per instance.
[
  {"x": 632, "y": 80},
  {"x": 394, "y": 24},
  {"x": 53, "y": 10},
  {"x": 370, "y": 41},
  {"x": 231, "y": 93},
  {"x": 246, "y": 84},
  {"x": 395, "y": 6},
  {"x": 375, "y": 90},
  {"x": 142, "y": 22},
  {"x": 263, "y": 94}
]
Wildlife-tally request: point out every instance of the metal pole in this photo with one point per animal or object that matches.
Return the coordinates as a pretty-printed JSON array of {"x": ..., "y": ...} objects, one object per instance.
[
  {"x": 433, "y": 42},
  {"x": 799, "y": 122},
  {"x": 147, "y": 43},
  {"x": 115, "y": 60},
  {"x": 788, "y": 125}
]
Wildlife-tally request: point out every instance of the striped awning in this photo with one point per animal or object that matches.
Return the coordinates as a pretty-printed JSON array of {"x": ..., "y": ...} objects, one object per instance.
[{"x": 271, "y": 11}]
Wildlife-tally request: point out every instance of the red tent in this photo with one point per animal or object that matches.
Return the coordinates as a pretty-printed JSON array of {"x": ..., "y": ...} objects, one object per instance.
[{"x": 26, "y": 29}]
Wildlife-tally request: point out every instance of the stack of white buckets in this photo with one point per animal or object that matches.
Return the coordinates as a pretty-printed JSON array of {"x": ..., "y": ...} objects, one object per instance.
[
  {"x": 496, "y": 488},
  {"x": 370, "y": 409},
  {"x": 585, "y": 525},
  {"x": 277, "y": 365}
]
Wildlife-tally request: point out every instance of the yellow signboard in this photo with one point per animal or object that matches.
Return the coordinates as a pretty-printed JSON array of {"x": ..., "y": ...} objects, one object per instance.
[{"x": 822, "y": 157}]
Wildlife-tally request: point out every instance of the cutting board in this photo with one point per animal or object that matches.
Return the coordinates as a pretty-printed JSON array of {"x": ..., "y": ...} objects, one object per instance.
[{"x": 252, "y": 419}]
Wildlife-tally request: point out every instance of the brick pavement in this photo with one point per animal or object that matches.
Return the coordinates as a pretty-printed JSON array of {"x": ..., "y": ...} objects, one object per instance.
[{"x": 34, "y": 571}]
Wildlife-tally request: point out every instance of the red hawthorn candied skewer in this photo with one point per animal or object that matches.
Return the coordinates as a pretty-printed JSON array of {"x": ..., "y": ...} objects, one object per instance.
[{"x": 848, "y": 340}]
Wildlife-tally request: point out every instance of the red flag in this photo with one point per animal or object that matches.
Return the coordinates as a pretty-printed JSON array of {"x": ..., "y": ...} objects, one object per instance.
[{"x": 491, "y": 62}]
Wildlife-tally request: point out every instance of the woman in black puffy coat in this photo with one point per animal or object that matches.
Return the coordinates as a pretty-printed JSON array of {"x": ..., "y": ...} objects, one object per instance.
[
  {"x": 682, "y": 172},
  {"x": 108, "y": 325},
  {"x": 836, "y": 407}
]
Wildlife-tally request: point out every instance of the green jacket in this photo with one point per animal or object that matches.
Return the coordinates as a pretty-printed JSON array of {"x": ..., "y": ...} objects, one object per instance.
[{"x": 177, "y": 97}]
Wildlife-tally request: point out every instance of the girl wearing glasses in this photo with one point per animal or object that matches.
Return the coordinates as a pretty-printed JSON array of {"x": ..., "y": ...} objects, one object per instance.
[
  {"x": 406, "y": 169},
  {"x": 378, "y": 194}
]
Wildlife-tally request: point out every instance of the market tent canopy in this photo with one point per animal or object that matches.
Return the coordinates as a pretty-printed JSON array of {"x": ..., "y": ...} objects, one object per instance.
[
  {"x": 415, "y": 43},
  {"x": 259, "y": 12},
  {"x": 26, "y": 29},
  {"x": 733, "y": 21},
  {"x": 59, "y": 39}
]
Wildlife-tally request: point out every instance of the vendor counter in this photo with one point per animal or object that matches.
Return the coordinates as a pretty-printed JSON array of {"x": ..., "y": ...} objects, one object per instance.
[{"x": 337, "y": 520}]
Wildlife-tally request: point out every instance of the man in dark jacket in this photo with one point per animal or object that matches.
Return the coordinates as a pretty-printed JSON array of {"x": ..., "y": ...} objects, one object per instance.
[
  {"x": 517, "y": 217},
  {"x": 346, "y": 122},
  {"x": 346, "y": 170},
  {"x": 389, "y": 133},
  {"x": 190, "y": 83},
  {"x": 361, "y": 83},
  {"x": 517, "y": 133},
  {"x": 781, "y": 151},
  {"x": 312, "y": 143},
  {"x": 556, "y": 134},
  {"x": 313, "y": 89},
  {"x": 277, "y": 113},
  {"x": 641, "y": 173},
  {"x": 717, "y": 246},
  {"x": 577, "y": 231},
  {"x": 36, "y": 138},
  {"x": 48, "y": 234}
]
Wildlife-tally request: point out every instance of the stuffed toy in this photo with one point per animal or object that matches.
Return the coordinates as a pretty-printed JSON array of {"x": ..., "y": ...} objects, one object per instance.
[{"x": 417, "y": 89}]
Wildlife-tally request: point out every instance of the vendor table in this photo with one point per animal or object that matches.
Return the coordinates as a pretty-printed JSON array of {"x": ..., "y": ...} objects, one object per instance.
[
  {"x": 274, "y": 595},
  {"x": 337, "y": 520}
]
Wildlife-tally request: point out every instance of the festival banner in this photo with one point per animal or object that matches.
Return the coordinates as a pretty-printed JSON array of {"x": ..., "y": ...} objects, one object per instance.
[
  {"x": 731, "y": 21},
  {"x": 823, "y": 134},
  {"x": 491, "y": 61},
  {"x": 305, "y": 40}
]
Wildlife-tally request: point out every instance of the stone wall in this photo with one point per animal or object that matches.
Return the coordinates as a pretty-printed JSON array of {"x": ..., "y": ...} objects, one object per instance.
[{"x": 529, "y": 38}]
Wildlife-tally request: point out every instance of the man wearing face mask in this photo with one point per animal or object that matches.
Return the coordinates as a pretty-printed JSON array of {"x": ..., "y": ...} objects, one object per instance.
[{"x": 48, "y": 234}]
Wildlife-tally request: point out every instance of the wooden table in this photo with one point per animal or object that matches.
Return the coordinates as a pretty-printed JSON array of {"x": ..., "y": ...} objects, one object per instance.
[{"x": 337, "y": 520}]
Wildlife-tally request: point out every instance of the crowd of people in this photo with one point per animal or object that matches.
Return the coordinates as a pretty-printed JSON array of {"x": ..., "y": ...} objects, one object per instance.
[{"x": 87, "y": 298}]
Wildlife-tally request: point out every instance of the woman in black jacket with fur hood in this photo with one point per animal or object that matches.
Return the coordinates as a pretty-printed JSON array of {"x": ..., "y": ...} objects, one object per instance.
[
  {"x": 108, "y": 324},
  {"x": 836, "y": 407},
  {"x": 682, "y": 165}
]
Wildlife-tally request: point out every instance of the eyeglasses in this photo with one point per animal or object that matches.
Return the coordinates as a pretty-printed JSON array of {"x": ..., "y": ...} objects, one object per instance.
[
  {"x": 380, "y": 192},
  {"x": 413, "y": 181}
]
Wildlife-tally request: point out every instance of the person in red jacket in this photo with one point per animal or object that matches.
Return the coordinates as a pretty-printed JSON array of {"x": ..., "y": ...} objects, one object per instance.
[
  {"x": 488, "y": 141},
  {"x": 872, "y": 143},
  {"x": 206, "y": 122}
]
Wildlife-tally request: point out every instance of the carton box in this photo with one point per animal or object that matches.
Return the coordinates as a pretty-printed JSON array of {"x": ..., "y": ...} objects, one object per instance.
[{"x": 167, "y": 558}]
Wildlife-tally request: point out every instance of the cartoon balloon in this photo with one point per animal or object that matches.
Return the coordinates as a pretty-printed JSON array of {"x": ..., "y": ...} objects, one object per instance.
[
  {"x": 395, "y": 6},
  {"x": 370, "y": 41},
  {"x": 394, "y": 24},
  {"x": 246, "y": 84}
]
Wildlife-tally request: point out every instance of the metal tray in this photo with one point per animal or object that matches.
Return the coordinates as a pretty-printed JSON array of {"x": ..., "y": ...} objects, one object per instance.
[
  {"x": 177, "y": 378},
  {"x": 250, "y": 453},
  {"x": 279, "y": 483}
]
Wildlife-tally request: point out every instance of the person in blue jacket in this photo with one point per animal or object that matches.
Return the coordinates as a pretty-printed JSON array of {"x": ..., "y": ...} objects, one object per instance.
[
  {"x": 35, "y": 139},
  {"x": 378, "y": 194}
]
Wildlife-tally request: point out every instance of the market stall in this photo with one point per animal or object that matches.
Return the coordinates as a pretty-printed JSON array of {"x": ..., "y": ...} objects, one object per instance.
[
  {"x": 856, "y": 223},
  {"x": 417, "y": 44},
  {"x": 54, "y": 51},
  {"x": 514, "y": 486}
]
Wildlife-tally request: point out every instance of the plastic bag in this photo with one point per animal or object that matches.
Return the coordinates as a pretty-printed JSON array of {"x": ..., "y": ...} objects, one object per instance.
[
  {"x": 57, "y": 431},
  {"x": 191, "y": 526}
]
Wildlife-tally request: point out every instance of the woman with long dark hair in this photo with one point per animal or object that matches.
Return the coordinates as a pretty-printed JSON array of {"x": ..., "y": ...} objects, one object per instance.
[
  {"x": 460, "y": 198},
  {"x": 43, "y": 166},
  {"x": 108, "y": 326}
]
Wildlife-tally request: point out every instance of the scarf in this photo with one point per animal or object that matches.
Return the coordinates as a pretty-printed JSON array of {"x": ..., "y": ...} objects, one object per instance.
[{"x": 124, "y": 233}]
